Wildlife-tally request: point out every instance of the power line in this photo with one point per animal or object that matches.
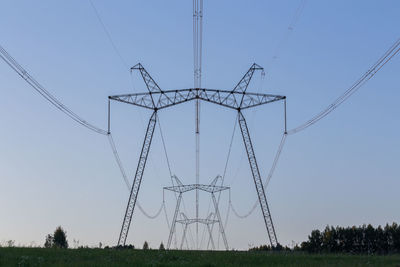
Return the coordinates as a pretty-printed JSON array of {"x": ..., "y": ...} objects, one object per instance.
[
  {"x": 108, "y": 34},
  {"x": 117, "y": 52},
  {"x": 270, "y": 174},
  {"x": 165, "y": 148},
  {"x": 46, "y": 94},
  {"x": 247, "y": 214},
  {"x": 128, "y": 185},
  {"x": 55, "y": 102},
  {"x": 388, "y": 55},
  {"x": 290, "y": 28},
  {"x": 385, "y": 58}
]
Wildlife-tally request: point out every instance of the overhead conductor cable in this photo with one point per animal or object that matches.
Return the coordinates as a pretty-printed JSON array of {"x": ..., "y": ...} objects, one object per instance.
[{"x": 385, "y": 58}]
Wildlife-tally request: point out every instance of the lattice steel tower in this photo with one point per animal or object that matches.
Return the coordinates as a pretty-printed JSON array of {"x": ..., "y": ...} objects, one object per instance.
[
  {"x": 212, "y": 188},
  {"x": 237, "y": 99}
]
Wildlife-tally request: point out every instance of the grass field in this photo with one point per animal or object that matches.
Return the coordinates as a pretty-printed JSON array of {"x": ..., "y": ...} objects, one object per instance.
[{"x": 101, "y": 257}]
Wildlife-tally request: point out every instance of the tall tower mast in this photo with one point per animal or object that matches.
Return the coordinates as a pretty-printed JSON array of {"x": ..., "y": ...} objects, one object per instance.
[{"x": 197, "y": 55}]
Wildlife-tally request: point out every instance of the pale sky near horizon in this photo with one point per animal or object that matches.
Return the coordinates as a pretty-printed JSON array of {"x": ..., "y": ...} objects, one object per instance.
[{"x": 343, "y": 171}]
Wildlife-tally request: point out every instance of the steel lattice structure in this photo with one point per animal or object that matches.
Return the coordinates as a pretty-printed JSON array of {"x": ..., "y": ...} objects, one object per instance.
[
  {"x": 257, "y": 179},
  {"x": 138, "y": 179},
  {"x": 212, "y": 189},
  {"x": 156, "y": 99},
  {"x": 186, "y": 222}
]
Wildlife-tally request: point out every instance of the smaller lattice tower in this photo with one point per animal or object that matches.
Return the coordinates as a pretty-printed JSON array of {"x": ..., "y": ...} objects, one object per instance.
[{"x": 212, "y": 218}]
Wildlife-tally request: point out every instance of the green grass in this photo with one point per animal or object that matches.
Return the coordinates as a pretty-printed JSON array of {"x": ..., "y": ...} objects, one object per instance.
[{"x": 101, "y": 257}]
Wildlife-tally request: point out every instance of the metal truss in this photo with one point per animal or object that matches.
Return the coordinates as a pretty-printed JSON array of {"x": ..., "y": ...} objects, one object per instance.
[
  {"x": 186, "y": 222},
  {"x": 212, "y": 189},
  {"x": 257, "y": 180},
  {"x": 155, "y": 99},
  {"x": 221, "y": 226},
  {"x": 180, "y": 188},
  {"x": 173, "y": 225},
  {"x": 164, "y": 99},
  {"x": 190, "y": 221},
  {"x": 138, "y": 178}
]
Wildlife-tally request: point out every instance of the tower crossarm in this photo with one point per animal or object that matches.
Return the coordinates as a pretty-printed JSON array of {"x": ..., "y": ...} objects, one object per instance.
[
  {"x": 190, "y": 187},
  {"x": 191, "y": 221},
  {"x": 243, "y": 84},
  {"x": 212, "y": 188},
  {"x": 143, "y": 100},
  {"x": 181, "y": 188},
  {"x": 245, "y": 81},
  {"x": 231, "y": 99},
  {"x": 152, "y": 87}
]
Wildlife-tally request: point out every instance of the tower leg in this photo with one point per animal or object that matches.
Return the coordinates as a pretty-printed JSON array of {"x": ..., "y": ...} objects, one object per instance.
[
  {"x": 184, "y": 235},
  {"x": 257, "y": 180},
  {"x": 221, "y": 225},
  {"x": 211, "y": 238},
  {"x": 138, "y": 179},
  {"x": 173, "y": 225}
]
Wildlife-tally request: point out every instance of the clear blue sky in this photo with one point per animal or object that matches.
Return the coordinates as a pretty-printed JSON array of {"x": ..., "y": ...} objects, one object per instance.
[{"x": 342, "y": 171}]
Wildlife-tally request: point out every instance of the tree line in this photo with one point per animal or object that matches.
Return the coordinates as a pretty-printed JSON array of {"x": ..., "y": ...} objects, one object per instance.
[
  {"x": 363, "y": 239},
  {"x": 59, "y": 240}
]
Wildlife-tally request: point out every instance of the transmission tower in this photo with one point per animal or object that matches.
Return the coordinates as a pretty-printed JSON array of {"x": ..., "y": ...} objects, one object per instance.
[
  {"x": 212, "y": 189},
  {"x": 207, "y": 222},
  {"x": 237, "y": 99}
]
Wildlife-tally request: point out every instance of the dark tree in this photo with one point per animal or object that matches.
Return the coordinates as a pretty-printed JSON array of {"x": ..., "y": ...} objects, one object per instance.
[
  {"x": 161, "y": 246},
  {"x": 145, "y": 245},
  {"x": 49, "y": 241},
  {"x": 60, "y": 238},
  {"x": 10, "y": 243},
  {"x": 315, "y": 240}
]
